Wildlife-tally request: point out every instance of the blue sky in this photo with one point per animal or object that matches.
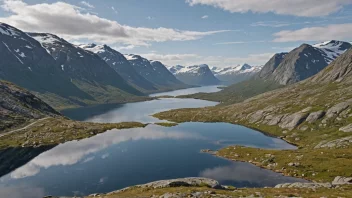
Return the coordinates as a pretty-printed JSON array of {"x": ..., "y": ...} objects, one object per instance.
[{"x": 215, "y": 32}]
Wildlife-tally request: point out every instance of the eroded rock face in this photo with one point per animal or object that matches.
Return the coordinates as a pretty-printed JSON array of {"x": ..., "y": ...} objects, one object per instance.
[
  {"x": 338, "y": 108},
  {"x": 342, "y": 180},
  {"x": 347, "y": 128},
  {"x": 292, "y": 121},
  {"x": 314, "y": 116},
  {"x": 304, "y": 185}
]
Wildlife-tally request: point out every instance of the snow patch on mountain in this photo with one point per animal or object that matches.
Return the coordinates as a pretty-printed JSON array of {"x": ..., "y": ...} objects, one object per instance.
[
  {"x": 332, "y": 49},
  {"x": 239, "y": 69}
]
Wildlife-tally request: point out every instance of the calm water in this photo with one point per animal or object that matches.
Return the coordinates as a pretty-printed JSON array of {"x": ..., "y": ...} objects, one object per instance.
[
  {"x": 205, "y": 89},
  {"x": 120, "y": 158}
]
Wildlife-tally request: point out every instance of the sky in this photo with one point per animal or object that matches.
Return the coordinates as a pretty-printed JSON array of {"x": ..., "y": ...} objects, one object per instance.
[{"x": 215, "y": 32}]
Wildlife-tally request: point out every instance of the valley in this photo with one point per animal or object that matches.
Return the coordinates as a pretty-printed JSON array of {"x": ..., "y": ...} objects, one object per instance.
[{"x": 191, "y": 98}]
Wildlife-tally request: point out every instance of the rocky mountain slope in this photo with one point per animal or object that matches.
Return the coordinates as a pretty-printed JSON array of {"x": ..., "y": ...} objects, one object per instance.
[
  {"x": 303, "y": 62},
  {"x": 314, "y": 114},
  {"x": 195, "y": 75},
  {"x": 86, "y": 69},
  {"x": 26, "y": 63},
  {"x": 239, "y": 73},
  {"x": 271, "y": 65},
  {"x": 121, "y": 65},
  {"x": 17, "y": 106},
  {"x": 61, "y": 74},
  {"x": 155, "y": 72}
]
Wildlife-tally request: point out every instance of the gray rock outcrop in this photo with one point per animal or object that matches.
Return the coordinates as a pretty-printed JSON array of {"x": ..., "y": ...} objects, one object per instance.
[
  {"x": 314, "y": 116},
  {"x": 347, "y": 128},
  {"x": 304, "y": 185},
  {"x": 342, "y": 180}
]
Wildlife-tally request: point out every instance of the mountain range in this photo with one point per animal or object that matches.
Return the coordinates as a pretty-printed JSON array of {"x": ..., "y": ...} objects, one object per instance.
[
  {"x": 66, "y": 75},
  {"x": 155, "y": 72},
  {"x": 239, "y": 73},
  {"x": 195, "y": 75},
  {"x": 281, "y": 70},
  {"x": 302, "y": 62}
]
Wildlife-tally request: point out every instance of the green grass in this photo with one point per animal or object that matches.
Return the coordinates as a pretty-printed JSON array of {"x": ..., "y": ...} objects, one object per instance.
[
  {"x": 167, "y": 124},
  {"x": 237, "y": 92},
  {"x": 344, "y": 191},
  {"x": 53, "y": 131}
]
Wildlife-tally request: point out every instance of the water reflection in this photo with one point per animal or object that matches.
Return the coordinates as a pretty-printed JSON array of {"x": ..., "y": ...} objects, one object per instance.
[
  {"x": 244, "y": 174},
  {"x": 73, "y": 152},
  {"x": 142, "y": 111}
]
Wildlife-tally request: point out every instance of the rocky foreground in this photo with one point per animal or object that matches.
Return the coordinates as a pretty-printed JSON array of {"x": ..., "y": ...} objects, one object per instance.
[{"x": 203, "y": 187}]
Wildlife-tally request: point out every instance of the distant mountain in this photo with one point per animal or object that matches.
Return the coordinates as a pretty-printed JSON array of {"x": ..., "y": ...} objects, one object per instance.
[
  {"x": 302, "y": 62},
  {"x": 239, "y": 73},
  {"x": 18, "y": 106},
  {"x": 121, "y": 65},
  {"x": 155, "y": 72},
  {"x": 195, "y": 75}
]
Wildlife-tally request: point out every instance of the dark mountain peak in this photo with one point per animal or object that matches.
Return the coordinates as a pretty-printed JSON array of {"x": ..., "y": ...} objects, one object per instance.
[
  {"x": 271, "y": 65},
  {"x": 245, "y": 67}
]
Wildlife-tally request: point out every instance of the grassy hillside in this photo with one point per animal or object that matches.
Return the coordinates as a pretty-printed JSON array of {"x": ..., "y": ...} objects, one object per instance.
[{"x": 237, "y": 92}]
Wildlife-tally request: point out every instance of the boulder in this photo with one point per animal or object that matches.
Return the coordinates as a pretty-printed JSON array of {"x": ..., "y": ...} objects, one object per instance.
[
  {"x": 314, "y": 116},
  {"x": 292, "y": 121},
  {"x": 347, "y": 128},
  {"x": 342, "y": 180}
]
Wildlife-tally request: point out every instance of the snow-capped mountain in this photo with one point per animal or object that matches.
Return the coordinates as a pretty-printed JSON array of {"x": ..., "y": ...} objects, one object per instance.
[
  {"x": 332, "y": 49},
  {"x": 155, "y": 72},
  {"x": 195, "y": 75},
  {"x": 231, "y": 75},
  {"x": 303, "y": 62},
  {"x": 82, "y": 66},
  {"x": 25, "y": 62},
  {"x": 121, "y": 65}
]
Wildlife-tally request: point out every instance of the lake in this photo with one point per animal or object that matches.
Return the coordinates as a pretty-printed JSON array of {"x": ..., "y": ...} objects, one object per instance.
[{"x": 121, "y": 158}]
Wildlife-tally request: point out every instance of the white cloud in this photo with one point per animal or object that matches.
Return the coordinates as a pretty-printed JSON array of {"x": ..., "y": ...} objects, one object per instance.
[
  {"x": 308, "y": 8},
  {"x": 335, "y": 31},
  {"x": 150, "y": 18},
  {"x": 87, "y": 4},
  {"x": 219, "y": 61},
  {"x": 68, "y": 21},
  {"x": 127, "y": 47},
  {"x": 171, "y": 59},
  {"x": 239, "y": 42},
  {"x": 277, "y": 23},
  {"x": 205, "y": 17},
  {"x": 113, "y": 9}
]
